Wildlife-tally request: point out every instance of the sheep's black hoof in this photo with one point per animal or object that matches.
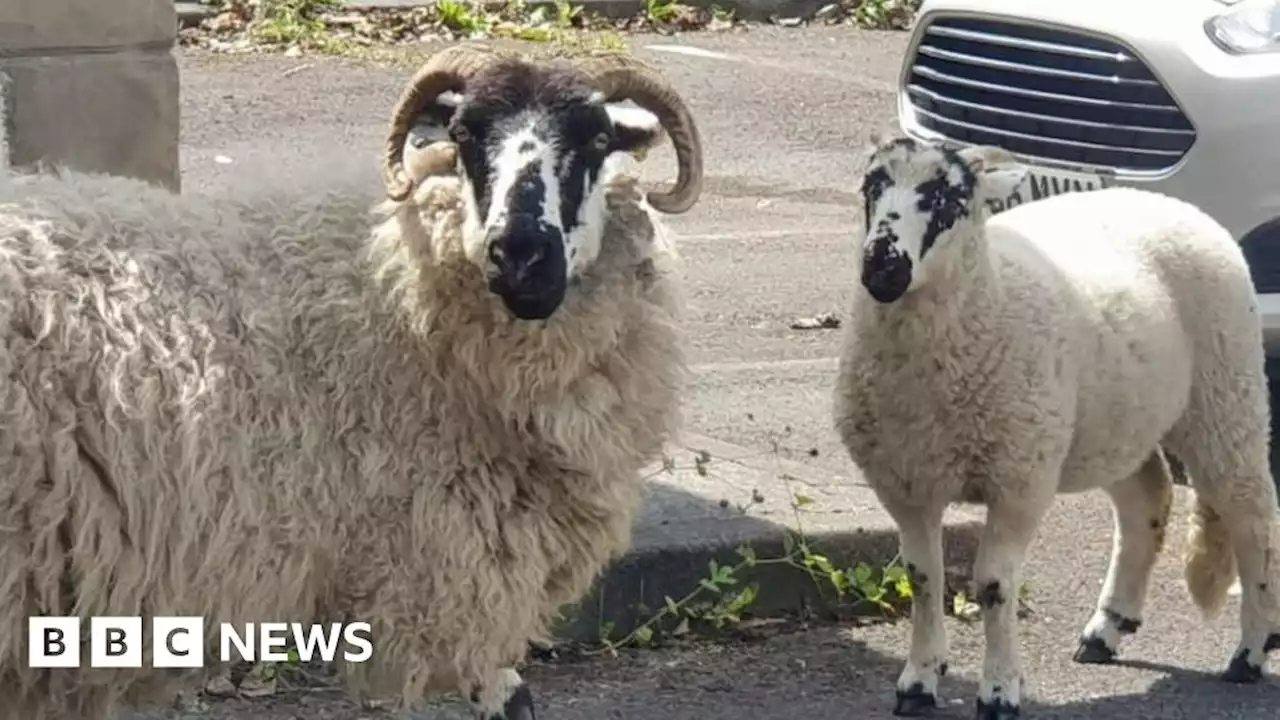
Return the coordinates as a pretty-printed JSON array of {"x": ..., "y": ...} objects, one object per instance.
[
  {"x": 518, "y": 707},
  {"x": 1241, "y": 672},
  {"x": 1093, "y": 651},
  {"x": 996, "y": 710},
  {"x": 915, "y": 702},
  {"x": 1273, "y": 642}
]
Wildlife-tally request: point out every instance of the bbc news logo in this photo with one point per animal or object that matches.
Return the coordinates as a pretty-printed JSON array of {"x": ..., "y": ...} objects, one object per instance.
[{"x": 178, "y": 642}]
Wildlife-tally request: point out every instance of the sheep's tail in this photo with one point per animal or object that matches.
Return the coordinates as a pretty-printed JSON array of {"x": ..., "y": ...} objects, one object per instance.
[{"x": 1210, "y": 562}]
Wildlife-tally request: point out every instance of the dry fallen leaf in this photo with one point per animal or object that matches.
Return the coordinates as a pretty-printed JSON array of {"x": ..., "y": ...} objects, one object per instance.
[
  {"x": 823, "y": 321},
  {"x": 255, "y": 685},
  {"x": 220, "y": 686}
]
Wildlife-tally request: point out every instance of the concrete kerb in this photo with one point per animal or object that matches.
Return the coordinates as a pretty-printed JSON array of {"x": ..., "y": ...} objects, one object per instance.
[
  {"x": 191, "y": 13},
  {"x": 744, "y": 498}
]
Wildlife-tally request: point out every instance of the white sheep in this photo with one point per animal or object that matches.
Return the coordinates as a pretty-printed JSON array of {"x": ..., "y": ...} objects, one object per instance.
[
  {"x": 279, "y": 408},
  {"x": 1054, "y": 348}
]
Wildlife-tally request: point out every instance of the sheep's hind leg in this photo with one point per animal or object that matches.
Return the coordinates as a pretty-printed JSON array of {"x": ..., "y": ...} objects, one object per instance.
[
  {"x": 1232, "y": 480},
  {"x": 506, "y": 698},
  {"x": 1248, "y": 509},
  {"x": 920, "y": 535},
  {"x": 1012, "y": 522},
  {"x": 1224, "y": 437},
  {"x": 1140, "y": 506}
]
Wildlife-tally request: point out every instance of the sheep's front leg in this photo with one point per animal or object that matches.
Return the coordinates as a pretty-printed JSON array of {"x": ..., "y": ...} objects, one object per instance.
[
  {"x": 507, "y": 697},
  {"x": 1010, "y": 528},
  {"x": 920, "y": 537}
]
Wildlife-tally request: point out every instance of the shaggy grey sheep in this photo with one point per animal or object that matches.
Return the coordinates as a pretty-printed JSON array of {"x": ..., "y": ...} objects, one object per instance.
[
  {"x": 1054, "y": 348},
  {"x": 432, "y": 419}
]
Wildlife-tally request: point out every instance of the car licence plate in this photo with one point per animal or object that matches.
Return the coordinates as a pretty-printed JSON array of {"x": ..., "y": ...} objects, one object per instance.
[{"x": 1043, "y": 183}]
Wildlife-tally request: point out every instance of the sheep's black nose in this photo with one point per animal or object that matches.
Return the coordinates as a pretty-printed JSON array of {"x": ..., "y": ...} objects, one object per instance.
[
  {"x": 524, "y": 250},
  {"x": 527, "y": 266},
  {"x": 886, "y": 279}
]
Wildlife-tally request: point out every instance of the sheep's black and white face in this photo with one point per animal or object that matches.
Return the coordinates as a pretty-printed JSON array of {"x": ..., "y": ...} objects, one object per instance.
[
  {"x": 917, "y": 196},
  {"x": 535, "y": 149}
]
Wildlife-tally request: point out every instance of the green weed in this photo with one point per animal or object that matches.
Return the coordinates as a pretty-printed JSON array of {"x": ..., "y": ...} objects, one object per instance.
[{"x": 724, "y": 595}]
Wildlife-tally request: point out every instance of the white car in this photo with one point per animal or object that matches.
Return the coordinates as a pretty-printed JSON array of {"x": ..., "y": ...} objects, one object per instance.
[{"x": 1178, "y": 96}]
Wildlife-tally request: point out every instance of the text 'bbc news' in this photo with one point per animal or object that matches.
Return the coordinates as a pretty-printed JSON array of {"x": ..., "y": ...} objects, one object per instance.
[{"x": 178, "y": 642}]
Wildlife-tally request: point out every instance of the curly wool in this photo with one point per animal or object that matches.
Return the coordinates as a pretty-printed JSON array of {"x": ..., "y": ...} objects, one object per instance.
[
  {"x": 1087, "y": 329},
  {"x": 263, "y": 410}
]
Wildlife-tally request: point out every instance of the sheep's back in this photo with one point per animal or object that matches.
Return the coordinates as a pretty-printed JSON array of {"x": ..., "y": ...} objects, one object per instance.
[
  {"x": 1151, "y": 286},
  {"x": 120, "y": 296},
  {"x": 123, "y": 310}
]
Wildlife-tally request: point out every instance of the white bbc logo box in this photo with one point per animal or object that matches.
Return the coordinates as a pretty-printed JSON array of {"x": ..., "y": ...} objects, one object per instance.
[
  {"x": 178, "y": 642},
  {"x": 115, "y": 642}
]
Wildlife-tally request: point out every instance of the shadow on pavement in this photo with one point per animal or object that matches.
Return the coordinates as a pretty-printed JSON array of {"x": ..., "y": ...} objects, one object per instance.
[
  {"x": 1179, "y": 693},
  {"x": 1175, "y": 693},
  {"x": 826, "y": 673}
]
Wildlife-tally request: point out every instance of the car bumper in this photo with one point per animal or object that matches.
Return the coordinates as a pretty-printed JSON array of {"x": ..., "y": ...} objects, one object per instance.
[{"x": 1232, "y": 169}]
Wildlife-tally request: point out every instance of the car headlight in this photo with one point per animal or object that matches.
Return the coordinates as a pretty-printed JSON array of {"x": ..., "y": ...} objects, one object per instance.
[{"x": 1251, "y": 26}]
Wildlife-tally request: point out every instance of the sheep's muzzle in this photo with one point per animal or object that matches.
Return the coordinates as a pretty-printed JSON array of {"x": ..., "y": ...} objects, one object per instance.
[
  {"x": 526, "y": 266},
  {"x": 886, "y": 271}
]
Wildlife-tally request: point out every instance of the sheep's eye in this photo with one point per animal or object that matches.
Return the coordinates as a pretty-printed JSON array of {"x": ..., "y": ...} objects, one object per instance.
[
  {"x": 460, "y": 134},
  {"x": 601, "y": 142}
]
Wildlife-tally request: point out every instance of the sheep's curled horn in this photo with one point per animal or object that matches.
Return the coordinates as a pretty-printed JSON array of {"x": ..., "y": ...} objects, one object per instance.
[
  {"x": 617, "y": 77},
  {"x": 447, "y": 70},
  {"x": 621, "y": 77}
]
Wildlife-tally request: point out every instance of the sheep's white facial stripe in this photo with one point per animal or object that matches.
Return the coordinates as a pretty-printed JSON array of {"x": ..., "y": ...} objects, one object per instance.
[{"x": 512, "y": 171}]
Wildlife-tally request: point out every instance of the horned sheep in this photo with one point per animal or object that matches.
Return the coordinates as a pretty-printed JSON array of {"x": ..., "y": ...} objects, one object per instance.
[
  {"x": 1057, "y": 347},
  {"x": 431, "y": 419}
]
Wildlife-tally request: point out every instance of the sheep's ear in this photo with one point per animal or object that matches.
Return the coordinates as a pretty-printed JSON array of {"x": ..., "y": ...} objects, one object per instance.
[
  {"x": 873, "y": 142},
  {"x": 434, "y": 118},
  {"x": 635, "y": 130},
  {"x": 431, "y": 126},
  {"x": 997, "y": 171}
]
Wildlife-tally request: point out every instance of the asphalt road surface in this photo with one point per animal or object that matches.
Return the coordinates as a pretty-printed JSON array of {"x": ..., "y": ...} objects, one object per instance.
[{"x": 785, "y": 115}]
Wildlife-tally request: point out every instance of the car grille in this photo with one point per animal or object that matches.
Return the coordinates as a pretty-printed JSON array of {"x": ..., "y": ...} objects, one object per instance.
[{"x": 1045, "y": 93}]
